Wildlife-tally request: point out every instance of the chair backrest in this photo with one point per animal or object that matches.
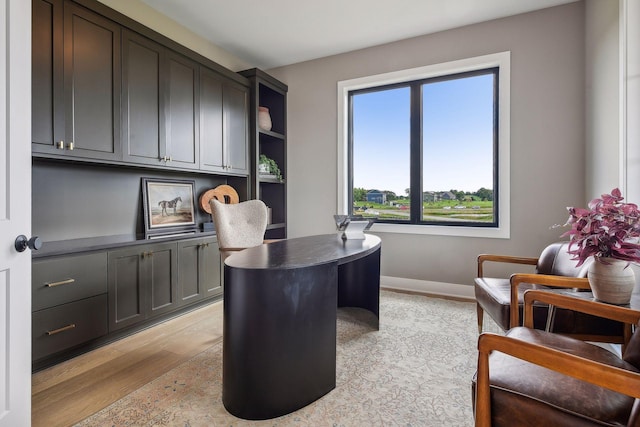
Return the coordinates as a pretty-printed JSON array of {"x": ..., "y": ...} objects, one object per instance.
[
  {"x": 240, "y": 225},
  {"x": 555, "y": 260}
]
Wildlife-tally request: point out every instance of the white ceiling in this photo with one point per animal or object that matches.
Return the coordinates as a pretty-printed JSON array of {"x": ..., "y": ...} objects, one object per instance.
[{"x": 271, "y": 33}]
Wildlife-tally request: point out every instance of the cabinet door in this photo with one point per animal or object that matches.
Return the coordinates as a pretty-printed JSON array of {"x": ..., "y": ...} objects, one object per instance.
[
  {"x": 142, "y": 124},
  {"x": 211, "y": 125},
  {"x": 224, "y": 136},
  {"x": 142, "y": 283},
  {"x": 47, "y": 106},
  {"x": 189, "y": 280},
  {"x": 126, "y": 282},
  {"x": 92, "y": 84},
  {"x": 211, "y": 269},
  {"x": 236, "y": 131},
  {"x": 198, "y": 270},
  {"x": 161, "y": 268},
  {"x": 181, "y": 143}
]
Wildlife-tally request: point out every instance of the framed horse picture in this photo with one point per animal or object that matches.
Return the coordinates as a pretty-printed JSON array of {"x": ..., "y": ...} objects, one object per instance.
[{"x": 169, "y": 206}]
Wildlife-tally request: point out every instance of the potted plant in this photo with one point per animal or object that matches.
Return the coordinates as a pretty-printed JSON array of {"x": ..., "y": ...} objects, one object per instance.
[
  {"x": 269, "y": 166},
  {"x": 609, "y": 231}
]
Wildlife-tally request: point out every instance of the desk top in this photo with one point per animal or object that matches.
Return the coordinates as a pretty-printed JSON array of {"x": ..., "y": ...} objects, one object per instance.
[{"x": 304, "y": 252}]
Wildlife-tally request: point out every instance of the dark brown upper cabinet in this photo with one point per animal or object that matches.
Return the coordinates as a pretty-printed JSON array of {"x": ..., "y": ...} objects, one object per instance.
[
  {"x": 224, "y": 124},
  {"x": 182, "y": 141},
  {"x": 108, "y": 90},
  {"x": 142, "y": 124},
  {"x": 159, "y": 123},
  {"x": 75, "y": 82}
]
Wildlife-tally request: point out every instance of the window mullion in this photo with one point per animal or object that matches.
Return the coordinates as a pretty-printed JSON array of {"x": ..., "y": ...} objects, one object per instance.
[
  {"x": 416, "y": 153},
  {"x": 350, "y": 196}
]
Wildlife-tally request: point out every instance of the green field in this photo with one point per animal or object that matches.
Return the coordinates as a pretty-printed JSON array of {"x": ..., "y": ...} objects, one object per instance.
[{"x": 446, "y": 210}]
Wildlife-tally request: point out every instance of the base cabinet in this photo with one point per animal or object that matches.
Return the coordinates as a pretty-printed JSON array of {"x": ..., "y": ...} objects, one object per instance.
[
  {"x": 79, "y": 299},
  {"x": 198, "y": 270},
  {"x": 142, "y": 283},
  {"x": 69, "y": 302},
  {"x": 68, "y": 325}
]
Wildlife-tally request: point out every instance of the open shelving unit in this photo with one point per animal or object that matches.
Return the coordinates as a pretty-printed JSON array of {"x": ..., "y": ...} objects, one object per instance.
[{"x": 269, "y": 92}]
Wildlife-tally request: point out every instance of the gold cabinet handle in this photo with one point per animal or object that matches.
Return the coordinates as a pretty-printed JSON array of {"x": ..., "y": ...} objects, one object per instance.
[
  {"x": 71, "y": 146},
  {"x": 61, "y": 282},
  {"x": 60, "y": 145},
  {"x": 64, "y": 328}
]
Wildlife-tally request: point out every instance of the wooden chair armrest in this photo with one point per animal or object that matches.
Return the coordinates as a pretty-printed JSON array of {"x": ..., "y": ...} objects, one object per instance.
[
  {"x": 616, "y": 379},
  {"x": 608, "y": 311},
  {"x": 540, "y": 279},
  {"x": 482, "y": 258}
]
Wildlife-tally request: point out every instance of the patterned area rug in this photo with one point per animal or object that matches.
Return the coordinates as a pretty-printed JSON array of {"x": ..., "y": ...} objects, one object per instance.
[{"x": 415, "y": 371}]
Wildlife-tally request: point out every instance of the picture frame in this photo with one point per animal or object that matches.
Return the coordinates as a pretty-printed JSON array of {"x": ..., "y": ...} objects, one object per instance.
[{"x": 169, "y": 206}]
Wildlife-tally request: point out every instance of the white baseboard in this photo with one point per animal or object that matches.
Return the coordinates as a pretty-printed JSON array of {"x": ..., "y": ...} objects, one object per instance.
[{"x": 428, "y": 287}]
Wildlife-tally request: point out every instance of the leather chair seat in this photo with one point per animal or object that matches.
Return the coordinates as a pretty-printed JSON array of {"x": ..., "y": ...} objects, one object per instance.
[
  {"x": 519, "y": 388},
  {"x": 494, "y": 294}
]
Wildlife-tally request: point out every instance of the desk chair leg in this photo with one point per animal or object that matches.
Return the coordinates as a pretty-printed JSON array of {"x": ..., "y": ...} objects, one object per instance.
[{"x": 480, "y": 312}]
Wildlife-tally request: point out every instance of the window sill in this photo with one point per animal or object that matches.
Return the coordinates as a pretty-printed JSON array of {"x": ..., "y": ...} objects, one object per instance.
[{"x": 437, "y": 230}]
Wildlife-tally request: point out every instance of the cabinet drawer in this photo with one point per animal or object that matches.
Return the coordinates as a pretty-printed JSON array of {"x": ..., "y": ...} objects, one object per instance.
[
  {"x": 65, "y": 326},
  {"x": 61, "y": 280}
]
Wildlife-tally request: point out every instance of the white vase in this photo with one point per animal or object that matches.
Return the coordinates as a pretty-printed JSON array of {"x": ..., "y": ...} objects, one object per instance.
[
  {"x": 611, "y": 280},
  {"x": 264, "y": 118}
]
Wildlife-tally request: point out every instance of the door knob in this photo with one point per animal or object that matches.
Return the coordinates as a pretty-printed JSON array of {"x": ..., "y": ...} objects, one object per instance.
[{"x": 23, "y": 243}]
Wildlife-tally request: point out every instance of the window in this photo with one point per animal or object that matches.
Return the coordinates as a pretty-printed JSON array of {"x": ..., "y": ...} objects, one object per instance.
[{"x": 428, "y": 148}]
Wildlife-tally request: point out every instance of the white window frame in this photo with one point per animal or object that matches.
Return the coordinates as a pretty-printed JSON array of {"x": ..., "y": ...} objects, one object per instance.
[{"x": 501, "y": 60}]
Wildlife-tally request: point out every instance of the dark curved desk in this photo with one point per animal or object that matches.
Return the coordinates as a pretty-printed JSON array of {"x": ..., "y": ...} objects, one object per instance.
[{"x": 280, "y": 306}]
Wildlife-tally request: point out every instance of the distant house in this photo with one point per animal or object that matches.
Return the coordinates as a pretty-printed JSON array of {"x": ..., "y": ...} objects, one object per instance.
[
  {"x": 430, "y": 196},
  {"x": 448, "y": 195},
  {"x": 436, "y": 196},
  {"x": 375, "y": 196}
]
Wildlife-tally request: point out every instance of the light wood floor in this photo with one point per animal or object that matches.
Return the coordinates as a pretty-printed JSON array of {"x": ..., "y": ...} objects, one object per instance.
[{"x": 73, "y": 390}]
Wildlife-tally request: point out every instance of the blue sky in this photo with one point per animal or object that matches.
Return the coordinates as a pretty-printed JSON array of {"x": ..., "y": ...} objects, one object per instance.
[{"x": 457, "y": 136}]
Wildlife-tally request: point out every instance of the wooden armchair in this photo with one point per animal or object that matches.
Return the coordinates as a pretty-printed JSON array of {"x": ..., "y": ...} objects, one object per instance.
[
  {"x": 531, "y": 377},
  {"x": 502, "y": 298}
]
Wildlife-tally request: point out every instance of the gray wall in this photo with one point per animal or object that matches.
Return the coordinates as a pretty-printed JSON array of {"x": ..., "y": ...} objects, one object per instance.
[
  {"x": 547, "y": 135},
  {"x": 602, "y": 76}
]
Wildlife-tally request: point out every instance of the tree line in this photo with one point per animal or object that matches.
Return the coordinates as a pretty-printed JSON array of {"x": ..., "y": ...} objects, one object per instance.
[{"x": 484, "y": 194}]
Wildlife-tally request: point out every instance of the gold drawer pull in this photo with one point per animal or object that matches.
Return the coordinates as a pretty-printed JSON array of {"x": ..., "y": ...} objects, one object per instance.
[
  {"x": 64, "y": 328},
  {"x": 61, "y": 282}
]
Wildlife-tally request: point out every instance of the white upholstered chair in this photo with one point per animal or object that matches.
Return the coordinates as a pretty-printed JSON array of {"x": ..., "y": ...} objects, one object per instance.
[{"x": 240, "y": 225}]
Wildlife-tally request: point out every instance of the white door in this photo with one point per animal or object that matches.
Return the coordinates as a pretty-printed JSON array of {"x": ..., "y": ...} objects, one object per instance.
[{"x": 15, "y": 212}]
